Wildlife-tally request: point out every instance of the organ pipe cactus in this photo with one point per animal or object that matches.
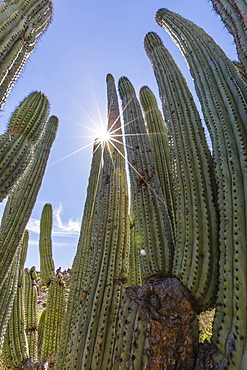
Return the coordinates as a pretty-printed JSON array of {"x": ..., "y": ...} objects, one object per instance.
[
  {"x": 91, "y": 338},
  {"x": 15, "y": 347},
  {"x": 19, "y": 207},
  {"x": 153, "y": 229},
  {"x": 31, "y": 313},
  {"x": 21, "y": 24},
  {"x": 222, "y": 95},
  {"x": 158, "y": 137},
  {"x": 47, "y": 268},
  {"x": 196, "y": 231},
  {"x": 233, "y": 14},
  {"x": 18, "y": 143},
  {"x": 54, "y": 313}
]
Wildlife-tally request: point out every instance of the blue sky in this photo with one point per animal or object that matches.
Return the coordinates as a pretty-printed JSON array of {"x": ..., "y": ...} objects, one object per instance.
[{"x": 85, "y": 41}]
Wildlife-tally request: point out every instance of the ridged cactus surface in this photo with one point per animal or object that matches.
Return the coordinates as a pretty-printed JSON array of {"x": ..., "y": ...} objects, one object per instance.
[
  {"x": 222, "y": 95},
  {"x": 91, "y": 338},
  {"x": 153, "y": 229}
]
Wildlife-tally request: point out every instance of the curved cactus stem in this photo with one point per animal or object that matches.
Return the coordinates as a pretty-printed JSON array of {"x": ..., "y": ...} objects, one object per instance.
[
  {"x": 223, "y": 97},
  {"x": 196, "y": 241},
  {"x": 233, "y": 14},
  {"x": 15, "y": 347},
  {"x": 21, "y": 24},
  {"x": 47, "y": 267},
  {"x": 17, "y": 145},
  {"x": 20, "y": 203},
  {"x": 153, "y": 230},
  {"x": 91, "y": 337}
]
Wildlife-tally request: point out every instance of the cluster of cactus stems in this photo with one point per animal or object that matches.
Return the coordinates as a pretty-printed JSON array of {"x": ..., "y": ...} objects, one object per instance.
[
  {"x": 176, "y": 236},
  {"x": 21, "y": 24}
]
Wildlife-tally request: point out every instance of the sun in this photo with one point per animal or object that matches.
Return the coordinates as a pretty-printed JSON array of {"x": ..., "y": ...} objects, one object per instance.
[{"x": 103, "y": 135}]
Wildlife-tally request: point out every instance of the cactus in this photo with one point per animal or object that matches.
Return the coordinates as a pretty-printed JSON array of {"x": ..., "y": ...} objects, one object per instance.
[
  {"x": 222, "y": 94},
  {"x": 196, "y": 232},
  {"x": 18, "y": 143},
  {"x": 56, "y": 294},
  {"x": 153, "y": 230},
  {"x": 47, "y": 267},
  {"x": 31, "y": 314},
  {"x": 90, "y": 339},
  {"x": 21, "y": 24},
  {"x": 18, "y": 210},
  {"x": 15, "y": 346},
  {"x": 233, "y": 14}
]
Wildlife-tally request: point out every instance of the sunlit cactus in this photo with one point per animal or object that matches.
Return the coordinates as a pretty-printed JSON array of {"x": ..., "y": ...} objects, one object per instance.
[
  {"x": 90, "y": 331},
  {"x": 222, "y": 94},
  {"x": 21, "y": 24}
]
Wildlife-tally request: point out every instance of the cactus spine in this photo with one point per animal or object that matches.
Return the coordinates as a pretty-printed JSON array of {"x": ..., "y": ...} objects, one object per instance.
[
  {"x": 153, "y": 231},
  {"x": 21, "y": 23},
  {"x": 18, "y": 143},
  {"x": 222, "y": 94}
]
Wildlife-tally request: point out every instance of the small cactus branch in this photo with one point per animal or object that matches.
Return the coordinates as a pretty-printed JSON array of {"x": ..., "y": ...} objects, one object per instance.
[
  {"x": 153, "y": 230},
  {"x": 20, "y": 203},
  {"x": 233, "y": 14},
  {"x": 47, "y": 267},
  {"x": 21, "y": 23},
  {"x": 223, "y": 97},
  {"x": 17, "y": 145}
]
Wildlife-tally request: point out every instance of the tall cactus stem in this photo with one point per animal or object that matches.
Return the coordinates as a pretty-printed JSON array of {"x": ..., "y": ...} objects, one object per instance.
[{"x": 222, "y": 94}]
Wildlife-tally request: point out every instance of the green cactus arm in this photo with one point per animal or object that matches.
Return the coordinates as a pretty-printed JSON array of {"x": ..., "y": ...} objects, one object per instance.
[
  {"x": 158, "y": 138},
  {"x": 7, "y": 294},
  {"x": 47, "y": 267},
  {"x": 24, "y": 130},
  {"x": 153, "y": 231},
  {"x": 15, "y": 347},
  {"x": 20, "y": 203},
  {"x": 55, "y": 313},
  {"x": 21, "y": 23},
  {"x": 195, "y": 256},
  {"x": 134, "y": 274},
  {"x": 31, "y": 315},
  {"x": 222, "y": 94},
  {"x": 94, "y": 324},
  {"x": 233, "y": 14}
]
